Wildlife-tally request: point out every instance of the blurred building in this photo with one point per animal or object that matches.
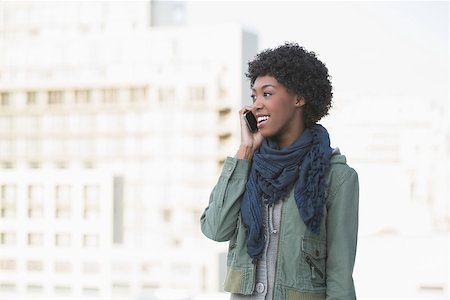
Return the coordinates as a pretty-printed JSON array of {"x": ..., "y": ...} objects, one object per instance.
[
  {"x": 114, "y": 123},
  {"x": 112, "y": 133},
  {"x": 400, "y": 148}
]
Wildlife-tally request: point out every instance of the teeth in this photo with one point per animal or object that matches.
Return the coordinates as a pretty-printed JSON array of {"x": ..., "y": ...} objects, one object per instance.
[{"x": 263, "y": 118}]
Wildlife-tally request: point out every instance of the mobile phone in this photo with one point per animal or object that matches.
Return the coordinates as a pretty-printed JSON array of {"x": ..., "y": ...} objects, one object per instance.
[{"x": 251, "y": 121}]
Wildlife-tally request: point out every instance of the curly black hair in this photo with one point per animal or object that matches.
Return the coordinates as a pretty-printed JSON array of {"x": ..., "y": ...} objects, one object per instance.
[{"x": 301, "y": 73}]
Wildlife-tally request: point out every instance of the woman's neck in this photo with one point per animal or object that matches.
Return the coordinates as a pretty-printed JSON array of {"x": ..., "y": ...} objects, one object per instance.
[{"x": 289, "y": 137}]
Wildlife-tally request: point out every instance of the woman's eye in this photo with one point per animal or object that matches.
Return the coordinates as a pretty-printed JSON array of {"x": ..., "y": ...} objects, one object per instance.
[
  {"x": 253, "y": 97},
  {"x": 267, "y": 94}
]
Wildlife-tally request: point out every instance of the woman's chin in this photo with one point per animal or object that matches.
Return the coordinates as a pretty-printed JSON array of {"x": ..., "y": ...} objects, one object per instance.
[{"x": 265, "y": 133}]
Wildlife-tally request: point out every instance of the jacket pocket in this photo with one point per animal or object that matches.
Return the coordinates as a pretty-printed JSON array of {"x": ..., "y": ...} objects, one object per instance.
[{"x": 313, "y": 261}]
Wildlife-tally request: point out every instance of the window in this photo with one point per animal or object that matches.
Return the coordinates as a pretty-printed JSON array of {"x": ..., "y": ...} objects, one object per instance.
[
  {"x": 7, "y": 264},
  {"x": 62, "y": 267},
  {"x": 8, "y": 201},
  {"x": 86, "y": 122},
  {"x": 62, "y": 202},
  {"x": 91, "y": 240},
  {"x": 150, "y": 286},
  {"x": 60, "y": 146},
  {"x": 121, "y": 267},
  {"x": 91, "y": 290},
  {"x": 35, "y": 239},
  {"x": 35, "y": 265},
  {"x": 132, "y": 121},
  {"x": 7, "y": 238},
  {"x": 110, "y": 95},
  {"x": 166, "y": 94},
  {"x": 34, "y": 165},
  {"x": 91, "y": 193},
  {"x": 33, "y": 123},
  {"x": 4, "y": 99},
  {"x": 55, "y": 97},
  {"x": 35, "y": 201},
  {"x": 62, "y": 289},
  {"x": 7, "y": 147},
  {"x": 181, "y": 268},
  {"x": 7, "y": 286},
  {"x": 197, "y": 93},
  {"x": 224, "y": 138},
  {"x": 120, "y": 287},
  {"x": 224, "y": 113},
  {"x": 56, "y": 122},
  {"x": 146, "y": 267},
  {"x": 82, "y": 96},
  {"x": 31, "y": 98},
  {"x": 7, "y": 123},
  {"x": 132, "y": 146},
  {"x": 91, "y": 268},
  {"x": 88, "y": 165},
  {"x": 33, "y": 147},
  {"x": 35, "y": 288},
  {"x": 138, "y": 94},
  {"x": 115, "y": 122},
  {"x": 91, "y": 202},
  {"x": 86, "y": 147},
  {"x": 7, "y": 165},
  {"x": 62, "y": 239},
  {"x": 222, "y": 91},
  {"x": 167, "y": 215},
  {"x": 61, "y": 164},
  {"x": 152, "y": 268}
]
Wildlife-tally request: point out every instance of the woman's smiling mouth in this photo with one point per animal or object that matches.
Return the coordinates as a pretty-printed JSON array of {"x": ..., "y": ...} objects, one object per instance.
[{"x": 262, "y": 119}]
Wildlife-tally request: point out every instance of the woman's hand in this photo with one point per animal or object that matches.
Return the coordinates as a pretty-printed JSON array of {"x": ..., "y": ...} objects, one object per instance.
[{"x": 249, "y": 141}]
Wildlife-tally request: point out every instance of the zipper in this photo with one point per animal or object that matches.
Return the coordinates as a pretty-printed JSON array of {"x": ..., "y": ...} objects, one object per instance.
[
  {"x": 278, "y": 251},
  {"x": 272, "y": 229},
  {"x": 254, "y": 276},
  {"x": 314, "y": 268}
]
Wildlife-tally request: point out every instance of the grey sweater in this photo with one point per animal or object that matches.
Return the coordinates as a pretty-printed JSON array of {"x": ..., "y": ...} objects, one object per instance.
[{"x": 266, "y": 266}]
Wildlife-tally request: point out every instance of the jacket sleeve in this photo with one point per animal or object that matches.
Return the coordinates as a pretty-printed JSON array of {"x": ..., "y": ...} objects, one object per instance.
[
  {"x": 219, "y": 220},
  {"x": 342, "y": 232}
]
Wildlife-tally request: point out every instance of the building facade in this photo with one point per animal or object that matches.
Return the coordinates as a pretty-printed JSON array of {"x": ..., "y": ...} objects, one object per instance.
[{"x": 112, "y": 134}]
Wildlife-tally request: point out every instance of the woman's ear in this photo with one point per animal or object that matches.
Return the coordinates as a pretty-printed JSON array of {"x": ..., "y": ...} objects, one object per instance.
[{"x": 300, "y": 101}]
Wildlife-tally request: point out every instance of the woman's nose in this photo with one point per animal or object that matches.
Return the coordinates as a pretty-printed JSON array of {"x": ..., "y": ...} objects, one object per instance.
[{"x": 257, "y": 104}]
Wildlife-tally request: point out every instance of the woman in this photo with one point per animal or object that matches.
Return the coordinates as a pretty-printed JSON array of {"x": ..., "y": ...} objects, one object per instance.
[{"x": 287, "y": 202}]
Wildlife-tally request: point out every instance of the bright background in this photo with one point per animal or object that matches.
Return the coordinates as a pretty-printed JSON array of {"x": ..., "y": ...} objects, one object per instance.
[
  {"x": 389, "y": 66},
  {"x": 389, "y": 63},
  {"x": 372, "y": 48}
]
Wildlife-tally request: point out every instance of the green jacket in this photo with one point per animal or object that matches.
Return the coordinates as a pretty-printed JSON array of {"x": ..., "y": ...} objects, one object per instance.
[{"x": 309, "y": 266}]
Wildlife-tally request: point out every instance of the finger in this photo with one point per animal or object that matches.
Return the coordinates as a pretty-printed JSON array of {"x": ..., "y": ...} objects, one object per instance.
[{"x": 245, "y": 109}]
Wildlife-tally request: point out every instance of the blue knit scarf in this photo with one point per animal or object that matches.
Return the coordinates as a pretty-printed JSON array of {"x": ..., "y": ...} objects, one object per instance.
[{"x": 273, "y": 170}]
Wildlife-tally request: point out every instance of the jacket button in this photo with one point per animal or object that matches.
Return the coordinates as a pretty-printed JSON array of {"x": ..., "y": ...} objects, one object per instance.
[
  {"x": 317, "y": 253},
  {"x": 260, "y": 288}
]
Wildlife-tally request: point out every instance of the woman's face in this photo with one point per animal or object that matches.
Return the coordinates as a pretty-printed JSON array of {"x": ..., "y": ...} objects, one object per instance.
[{"x": 277, "y": 111}]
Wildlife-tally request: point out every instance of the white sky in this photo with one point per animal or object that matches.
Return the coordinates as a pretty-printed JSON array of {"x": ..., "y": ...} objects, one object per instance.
[{"x": 372, "y": 49}]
